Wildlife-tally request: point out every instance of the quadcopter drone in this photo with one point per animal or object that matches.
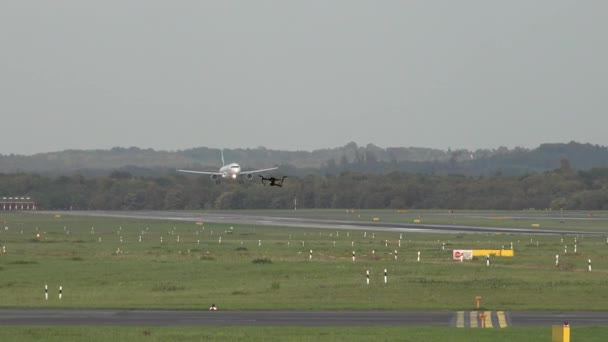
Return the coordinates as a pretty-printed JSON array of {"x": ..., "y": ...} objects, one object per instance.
[{"x": 273, "y": 181}]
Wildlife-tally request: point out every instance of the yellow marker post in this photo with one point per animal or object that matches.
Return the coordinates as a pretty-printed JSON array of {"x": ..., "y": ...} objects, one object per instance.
[
  {"x": 477, "y": 301},
  {"x": 482, "y": 318},
  {"x": 561, "y": 333}
]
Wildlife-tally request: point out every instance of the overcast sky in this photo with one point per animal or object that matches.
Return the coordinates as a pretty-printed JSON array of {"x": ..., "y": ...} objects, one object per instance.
[{"x": 301, "y": 75}]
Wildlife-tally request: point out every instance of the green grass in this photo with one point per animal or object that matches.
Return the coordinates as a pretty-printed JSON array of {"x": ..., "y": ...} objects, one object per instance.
[
  {"x": 135, "y": 334},
  {"x": 278, "y": 273}
]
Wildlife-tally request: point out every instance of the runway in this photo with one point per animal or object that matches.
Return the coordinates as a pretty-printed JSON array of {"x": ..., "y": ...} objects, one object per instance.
[
  {"x": 266, "y": 219},
  {"x": 296, "y": 318}
]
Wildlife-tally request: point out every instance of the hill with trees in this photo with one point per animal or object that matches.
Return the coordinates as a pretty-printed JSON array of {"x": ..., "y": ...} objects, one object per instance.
[{"x": 348, "y": 158}]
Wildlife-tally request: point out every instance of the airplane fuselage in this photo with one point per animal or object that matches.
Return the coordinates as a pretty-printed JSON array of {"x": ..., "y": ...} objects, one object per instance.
[{"x": 231, "y": 171}]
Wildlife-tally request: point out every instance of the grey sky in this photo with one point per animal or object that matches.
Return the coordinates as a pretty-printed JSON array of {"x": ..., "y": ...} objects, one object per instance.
[{"x": 301, "y": 75}]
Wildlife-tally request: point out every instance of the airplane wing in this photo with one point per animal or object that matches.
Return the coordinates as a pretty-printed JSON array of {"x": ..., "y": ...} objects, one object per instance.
[
  {"x": 202, "y": 172},
  {"x": 262, "y": 170}
]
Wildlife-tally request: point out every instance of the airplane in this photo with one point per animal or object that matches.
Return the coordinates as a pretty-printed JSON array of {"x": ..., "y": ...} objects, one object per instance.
[
  {"x": 230, "y": 171},
  {"x": 273, "y": 181}
]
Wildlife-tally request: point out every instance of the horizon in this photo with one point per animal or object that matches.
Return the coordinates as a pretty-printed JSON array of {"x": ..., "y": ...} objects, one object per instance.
[{"x": 299, "y": 150}]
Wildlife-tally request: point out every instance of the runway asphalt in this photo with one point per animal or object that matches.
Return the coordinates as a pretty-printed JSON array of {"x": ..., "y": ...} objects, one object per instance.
[
  {"x": 291, "y": 318},
  {"x": 281, "y": 220}
]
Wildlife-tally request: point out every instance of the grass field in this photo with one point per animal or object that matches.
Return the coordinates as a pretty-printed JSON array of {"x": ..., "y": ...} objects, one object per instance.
[
  {"x": 270, "y": 267},
  {"x": 101, "y": 263}
]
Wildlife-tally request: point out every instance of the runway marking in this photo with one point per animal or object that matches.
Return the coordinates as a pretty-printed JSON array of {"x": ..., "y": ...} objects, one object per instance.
[
  {"x": 502, "y": 320},
  {"x": 473, "y": 315},
  {"x": 473, "y": 319},
  {"x": 488, "y": 319},
  {"x": 460, "y": 319}
]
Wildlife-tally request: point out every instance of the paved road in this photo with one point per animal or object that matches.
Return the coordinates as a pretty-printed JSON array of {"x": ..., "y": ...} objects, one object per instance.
[
  {"x": 269, "y": 220},
  {"x": 294, "y": 318}
]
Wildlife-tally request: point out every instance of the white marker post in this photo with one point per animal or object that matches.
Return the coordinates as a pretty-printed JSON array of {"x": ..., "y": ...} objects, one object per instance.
[
  {"x": 367, "y": 276},
  {"x": 418, "y": 256},
  {"x": 443, "y": 246},
  {"x": 574, "y": 249},
  {"x": 302, "y": 243},
  {"x": 334, "y": 243},
  {"x": 461, "y": 257},
  {"x": 373, "y": 235},
  {"x": 385, "y": 243},
  {"x": 99, "y": 240},
  {"x": 60, "y": 291},
  {"x": 46, "y": 292},
  {"x": 140, "y": 238},
  {"x": 178, "y": 239},
  {"x": 310, "y": 256},
  {"x": 121, "y": 239},
  {"x": 352, "y": 243},
  {"x": 511, "y": 245},
  {"x": 3, "y": 249},
  {"x": 161, "y": 239},
  {"x": 395, "y": 255},
  {"x": 373, "y": 252},
  {"x": 488, "y": 260},
  {"x": 589, "y": 265},
  {"x": 365, "y": 235},
  {"x": 399, "y": 243},
  {"x": 385, "y": 276},
  {"x": 353, "y": 256},
  {"x": 259, "y": 242},
  {"x": 565, "y": 249},
  {"x": 220, "y": 240},
  {"x": 400, "y": 236},
  {"x": 556, "y": 260},
  {"x": 198, "y": 242}
]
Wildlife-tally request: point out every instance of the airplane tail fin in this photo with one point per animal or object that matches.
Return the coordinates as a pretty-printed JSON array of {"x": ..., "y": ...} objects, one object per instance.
[{"x": 222, "y": 152}]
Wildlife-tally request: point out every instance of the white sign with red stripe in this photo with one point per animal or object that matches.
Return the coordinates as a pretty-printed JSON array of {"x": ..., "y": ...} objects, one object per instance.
[{"x": 466, "y": 254}]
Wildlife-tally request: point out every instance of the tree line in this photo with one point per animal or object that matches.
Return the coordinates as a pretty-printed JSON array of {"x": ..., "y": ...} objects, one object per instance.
[
  {"x": 560, "y": 188},
  {"x": 335, "y": 161}
]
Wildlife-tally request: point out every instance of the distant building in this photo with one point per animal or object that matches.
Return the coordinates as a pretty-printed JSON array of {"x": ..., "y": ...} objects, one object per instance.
[{"x": 17, "y": 204}]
